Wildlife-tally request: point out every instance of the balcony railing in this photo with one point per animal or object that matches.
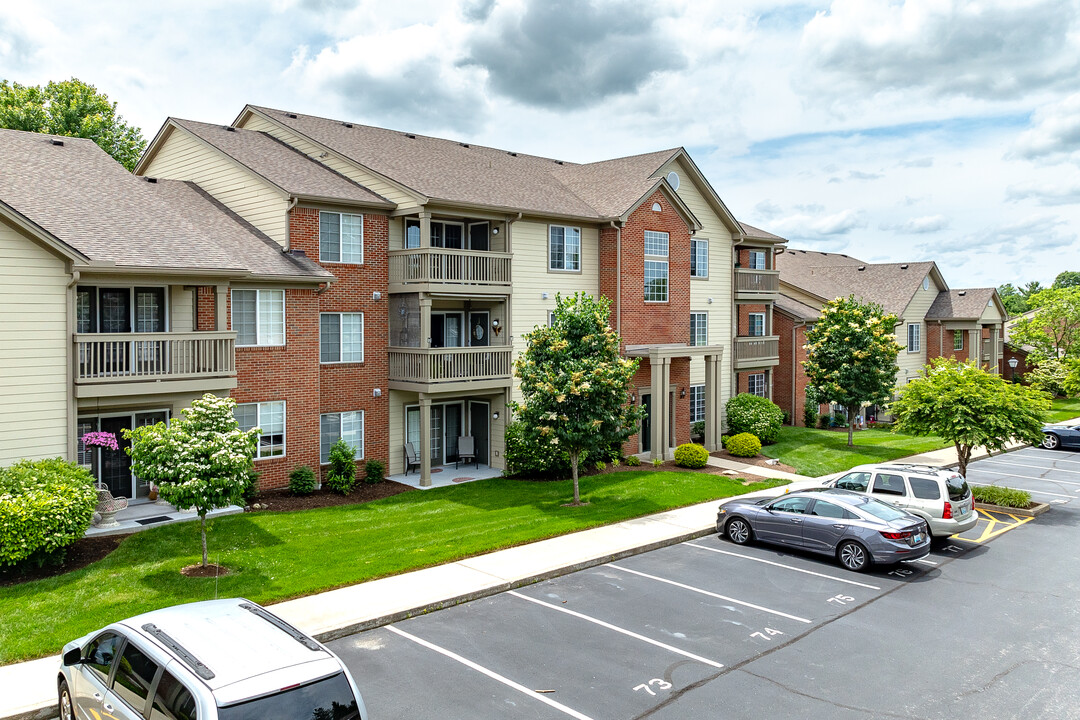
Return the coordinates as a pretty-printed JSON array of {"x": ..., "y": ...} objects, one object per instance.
[
  {"x": 756, "y": 281},
  {"x": 446, "y": 365},
  {"x": 751, "y": 350},
  {"x": 440, "y": 265},
  {"x": 132, "y": 357}
]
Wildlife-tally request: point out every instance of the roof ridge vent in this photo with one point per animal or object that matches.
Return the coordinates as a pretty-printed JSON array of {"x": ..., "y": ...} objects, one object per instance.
[
  {"x": 558, "y": 162},
  {"x": 861, "y": 268},
  {"x": 904, "y": 266},
  {"x": 57, "y": 143},
  {"x": 291, "y": 115},
  {"x": 151, "y": 179},
  {"x": 348, "y": 125},
  {"x": 464, "y": 145},
  {"x": 230, "y": 128},
  {"x": 512, "y": 154},
  {"x": 962, "y": 293},
  {"x": 411, "y": 136}
]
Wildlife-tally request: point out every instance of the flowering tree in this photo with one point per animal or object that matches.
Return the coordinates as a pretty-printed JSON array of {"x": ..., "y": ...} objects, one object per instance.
[
  {"x": 970, "y": 408},
  {"x": 851, "y": 355},
  {"x": 574, "y": 382},
  {"x": 1053, "y": 331},
  {"x": 200, "y": 460}
]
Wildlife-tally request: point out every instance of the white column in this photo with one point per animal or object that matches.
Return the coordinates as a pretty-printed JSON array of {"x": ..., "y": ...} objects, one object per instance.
[
  {"x": 221, "y": 304},
  {"x": 425, "y": 229},
  {"x": 425, "y": 440},
  {"x": 712, "y": 403}
]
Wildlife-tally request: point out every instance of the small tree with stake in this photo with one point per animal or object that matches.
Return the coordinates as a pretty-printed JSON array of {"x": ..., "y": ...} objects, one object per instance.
[
  {"x": 969, "y": 407},
  {"x": 198, "y": 461},
  {"x": 574, "y": 382},
  {"x": 851, "y": 355}
]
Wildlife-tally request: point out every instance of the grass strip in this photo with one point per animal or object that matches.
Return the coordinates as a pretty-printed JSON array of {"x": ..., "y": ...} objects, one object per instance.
[{"x": 821, "y": 452}]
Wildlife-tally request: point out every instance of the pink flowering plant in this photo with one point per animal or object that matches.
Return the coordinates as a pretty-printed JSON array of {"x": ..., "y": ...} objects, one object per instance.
[{"x": 100, "y": 439}]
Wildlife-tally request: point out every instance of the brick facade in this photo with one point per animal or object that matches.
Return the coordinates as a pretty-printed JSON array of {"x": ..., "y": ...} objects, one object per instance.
[
  {"x": 783, "y": 382},
  {"x": 680, "y": 382},
  {"x": 939, "y": 342},
  {"x": 742, "y": 327}
]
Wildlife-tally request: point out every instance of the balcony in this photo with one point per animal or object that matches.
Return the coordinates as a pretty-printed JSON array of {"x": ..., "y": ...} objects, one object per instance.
[
  {"x": 113, "y": 364},
  {"x": 756, "y": 284},
  {"x": 443, "y": 270},
  {"x": 756, "y": 352},
  {"x": 449, "y": 368}
]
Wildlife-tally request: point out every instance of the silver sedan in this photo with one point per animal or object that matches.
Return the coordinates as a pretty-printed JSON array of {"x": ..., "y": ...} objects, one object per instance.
[{"x": 855, "y": 529}]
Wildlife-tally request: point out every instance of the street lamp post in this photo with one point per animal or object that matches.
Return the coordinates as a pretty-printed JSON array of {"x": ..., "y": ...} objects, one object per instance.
[{"x": 1012, "y": 368}]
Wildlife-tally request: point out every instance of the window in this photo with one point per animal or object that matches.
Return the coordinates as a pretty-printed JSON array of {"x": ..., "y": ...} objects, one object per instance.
[
  {"x": 699, "y": 328},
  {"x": 756, "y": 324},
  {"x": 551, "y": 318},
  {"x": 958, "y": 340},
  {"x": 656, "y": 271},
  {"x": 270, "y": 416},
  {"x": 258, "y": 317},
  {"x": 347, "y": 426},
  {"x": 791, "y": 505},
  {"x": 856, "y": 482},
  {"x": 172, "y": 701},
  {"x": 134, "y": 674},
  {"x": 914, "y": 343},
  {"x": 926, "y": 283},
  {"x": 697, "y": 403},
  {"x": 341, "y": 237},
  {"x": 101, "y": 653},
  {"x": 656, "y": 243},
  {"x": 755, "y": 384},
  {"x": 412, "y": 233},
  {"x": 341, "y": 337},
  {"x": 886, "y": 484},
  {"x": 699, "y": 258},
  {"x": 757, "y": 259},
  {"x": 564, "y": 248},
  {"x": 925, "y": 488},
  {"x": 829, "y": 510}
]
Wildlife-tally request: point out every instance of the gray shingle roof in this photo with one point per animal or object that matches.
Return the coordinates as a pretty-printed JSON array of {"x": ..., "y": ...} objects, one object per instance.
[
  {"x": 289, "y": 169},
  {"x": 962, "y": 303},
  {"x": 83, "y": 197},
  {"x": 830, "y": 275},
  {"x": 757, "y": 233},
  {"x": 796, "y": 309}
]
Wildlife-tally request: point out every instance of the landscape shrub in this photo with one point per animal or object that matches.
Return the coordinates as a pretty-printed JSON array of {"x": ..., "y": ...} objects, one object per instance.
[
  {"x": 633, "y": 461},
  {"x": 698, "y": 429},
  {"x": 526, "y": 456},
  {"x": 691, "y": 455},
  {"x": 823, "y": 421},
  {"x": 837, "y": 420},
  {"x": 600, "y": 466},
  {"x": 302, "y": 481},
  {"x": 758, "y": 416},
  {"x": 341, "y": 476},
  {"x": 809, "y": 416},
  {"x": 45, "y": 506},
  {"x": 374, "y": 471},
  {"x": 786, "y": 417},
  {"x": 250, "y": 489},
  {"x": 1003, "y": 496},
  {"x": 1049, "y": 376},
  {"x": 744, "y": 445},
  {"x": 657, "y": 462}
]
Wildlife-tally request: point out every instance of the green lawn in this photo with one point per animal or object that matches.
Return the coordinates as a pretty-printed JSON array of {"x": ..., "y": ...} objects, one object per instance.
[
  {"x": 275, "y": 556},
  {"x": 1064, "y": 409},
  {"x": 820, "y": 452}
]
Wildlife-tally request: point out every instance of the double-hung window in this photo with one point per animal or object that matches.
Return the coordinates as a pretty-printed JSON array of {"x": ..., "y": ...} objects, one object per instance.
[
  {"x": 756, "y": 384},
  {"x": 270, "y": 416},
  {"x": 699, "y": 328},
  {"x": 697, "y": 403},
  {"x": 757, "y": 259},
  {"x": 341, "y": 237},
  {"x": 341, "y": 337},
  {"x": 656, "y": 266},
  {"x": 258, "y": 317},
  {"x": 699, "y": 258},
  {"x": 347, "y": 426},
  {"x": 756, "y": 324},
  {"x": 914, "y": 337},
  {"x": 564, "y": 248},
  {"x": 958, "y": 340}
]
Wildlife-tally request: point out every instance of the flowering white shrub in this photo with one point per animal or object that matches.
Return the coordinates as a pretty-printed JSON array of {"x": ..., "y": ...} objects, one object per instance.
[{"x": 758, "y": 416}]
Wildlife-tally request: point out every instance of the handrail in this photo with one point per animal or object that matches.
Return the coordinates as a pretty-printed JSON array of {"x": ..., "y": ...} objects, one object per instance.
[{"x": 122, "y": 357}]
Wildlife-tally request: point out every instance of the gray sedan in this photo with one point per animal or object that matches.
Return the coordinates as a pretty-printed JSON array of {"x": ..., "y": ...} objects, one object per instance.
[{"x": 855, "y": 529}]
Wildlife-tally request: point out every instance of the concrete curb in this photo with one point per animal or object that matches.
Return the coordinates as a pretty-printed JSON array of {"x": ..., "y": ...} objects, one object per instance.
[{"x": 1035, "y": 510}]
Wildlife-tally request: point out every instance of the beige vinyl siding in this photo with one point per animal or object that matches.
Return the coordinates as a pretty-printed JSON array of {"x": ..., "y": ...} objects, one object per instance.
[
  {"x": 182, "y": 156},
  {"x": 912, "y": 363},
  {"x": 531, "y": 278},
  {"x": 33, "y": 350},
  {"x": 398, "y": 400},
  {"x": 350, "y": 170},
  {"x": 182, "y": 309},
  {"x": 805, "y": 298},
  {"x": 991, "y": 315}
]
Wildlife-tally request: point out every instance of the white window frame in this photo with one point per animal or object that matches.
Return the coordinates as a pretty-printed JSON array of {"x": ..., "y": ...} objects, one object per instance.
[
  {"x": 655, "y": 259},
  {"x": 958, "y": 335},
  {"x": 752, "y": 264},
  {"x": 697, "y": 398},
  {"x": 567, "y": 229},
  {"x": 258, "y": 423},
  {"x": 750, "y": 324},
  {"x": 359, "y": 455},
  {"x": 699, "y": 325},
  {"x": 699, "y": 246},
  {"x": 260, "y": 332},
  {"x": 754, "y": 378},
  {"x": 914, "y": 337},
  {"x": 354, "y": 258},
  {"x": 341, "y": 338}
]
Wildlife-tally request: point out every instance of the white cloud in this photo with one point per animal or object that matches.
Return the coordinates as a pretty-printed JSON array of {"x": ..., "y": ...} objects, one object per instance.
[
  {"x": 1054, "y": 131},
  {"x": 1045, "y": 193},
  {"x": 919, "y": 225}
]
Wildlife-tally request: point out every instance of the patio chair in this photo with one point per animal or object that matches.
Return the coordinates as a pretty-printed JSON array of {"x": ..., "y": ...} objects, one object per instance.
[
  {"x": 466, "y": 450},
  {"x": 412, "y": 460},
  {"x": 108, "y": 506}
]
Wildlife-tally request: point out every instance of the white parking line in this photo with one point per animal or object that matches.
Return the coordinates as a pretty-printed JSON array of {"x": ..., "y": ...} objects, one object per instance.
[
  {"x": 710, "y": 594},
  {"x": 1037, "y": 467},
  {"x": 1033, "y": 492},
  {"x": 928, "y": 562},
  {"x": 1027, "y": 477},
  {"x": 1054, "y": 456},
  {"x": 491, "y": 674},
  {"x": 617, "y": 629},
  {"x": 776, "y": 564}
]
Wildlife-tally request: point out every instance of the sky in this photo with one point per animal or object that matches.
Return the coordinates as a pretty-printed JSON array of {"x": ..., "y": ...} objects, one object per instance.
[{"x": 897, "y": 131}]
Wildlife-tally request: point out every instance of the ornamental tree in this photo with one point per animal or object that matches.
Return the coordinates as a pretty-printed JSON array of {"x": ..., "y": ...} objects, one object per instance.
[
  {"x": 198, "y": 461},
  {"x": 574, "y": 382},
  {"x": 970, "y": 408},
  {"x": 1054, "y": 330},
  {"x": 851, "y": 355}
]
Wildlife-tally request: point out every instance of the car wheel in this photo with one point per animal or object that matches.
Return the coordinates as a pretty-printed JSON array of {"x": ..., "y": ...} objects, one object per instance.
[
  {"x": 67, "y": 710},
  {"x": 738, "y": 531},
  {"x": 853, "y": 556},
  {"x": 1051, "y": 441}
]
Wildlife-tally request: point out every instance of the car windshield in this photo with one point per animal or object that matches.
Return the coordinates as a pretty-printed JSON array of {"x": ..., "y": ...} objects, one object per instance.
[
  {"x": 880, "y": 510},
  {"x": 958, "y": 487},
  {"x": 327, "y": 699}
]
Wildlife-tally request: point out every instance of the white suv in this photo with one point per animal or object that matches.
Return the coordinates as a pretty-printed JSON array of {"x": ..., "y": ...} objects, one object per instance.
[
  {"x": 214, "y": 660},
  {"x": 939, "y": 496}
]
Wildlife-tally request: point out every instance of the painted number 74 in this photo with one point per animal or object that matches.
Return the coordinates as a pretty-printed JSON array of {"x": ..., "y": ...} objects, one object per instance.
[{"x": 655, "y": 682}]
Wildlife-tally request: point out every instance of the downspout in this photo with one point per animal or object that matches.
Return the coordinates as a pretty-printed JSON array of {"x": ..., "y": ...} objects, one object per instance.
[
  {"x": 794, "y": 356},
  {"x": 288, "y": 222},
  {"x": 69, "y": 357},
  {"x": 618, "y": 277},
  {"x": 941, "y": 338},
  {"x": 734, "y": 377}
]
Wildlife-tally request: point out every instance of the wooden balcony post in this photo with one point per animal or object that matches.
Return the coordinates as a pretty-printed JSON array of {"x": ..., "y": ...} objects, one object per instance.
[
  {"x": 425, "y": 229},
  {"x": 425, "y": 321}
]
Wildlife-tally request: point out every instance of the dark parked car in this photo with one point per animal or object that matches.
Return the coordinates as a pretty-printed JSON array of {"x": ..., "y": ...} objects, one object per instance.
[
  {"x": 1061, "y": 436},
  {"x": 855, "y": 529}
]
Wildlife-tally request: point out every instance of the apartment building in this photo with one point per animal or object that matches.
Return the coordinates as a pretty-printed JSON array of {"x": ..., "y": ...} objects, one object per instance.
[{"x": 427, "y": 261}]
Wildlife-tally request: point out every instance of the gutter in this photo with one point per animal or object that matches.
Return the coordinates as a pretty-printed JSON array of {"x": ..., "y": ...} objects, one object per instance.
[
  {"x": 618, "y": 277},
  {"x": 288, "y": 222}
]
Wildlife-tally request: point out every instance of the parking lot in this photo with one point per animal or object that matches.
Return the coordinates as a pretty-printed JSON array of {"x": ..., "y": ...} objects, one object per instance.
[{"x": 984, "y": 626}]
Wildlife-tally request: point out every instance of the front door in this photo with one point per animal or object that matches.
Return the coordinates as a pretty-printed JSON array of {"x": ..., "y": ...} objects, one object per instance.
[
  {"x": 115, "y": 464},
  {"x": 646, "y": 423},
  {"x": 479, "y": 412}
]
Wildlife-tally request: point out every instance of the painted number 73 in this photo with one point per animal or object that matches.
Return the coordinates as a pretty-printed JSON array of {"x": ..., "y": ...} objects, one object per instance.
[{"x": 655, "y": 682}]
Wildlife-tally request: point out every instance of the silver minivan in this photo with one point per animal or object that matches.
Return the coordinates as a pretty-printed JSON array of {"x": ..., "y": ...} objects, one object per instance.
[
  {"x": 938, "y": 495},
  {"x": 214, "y": 660}
]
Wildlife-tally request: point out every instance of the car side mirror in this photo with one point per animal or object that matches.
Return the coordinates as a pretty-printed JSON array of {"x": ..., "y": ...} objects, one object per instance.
[{"x": 73, "y": 656}]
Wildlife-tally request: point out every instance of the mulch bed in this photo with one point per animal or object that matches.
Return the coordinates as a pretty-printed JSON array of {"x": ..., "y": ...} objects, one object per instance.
[
  {"x": 79, "y": 555},
  {"x": 282, "y": 501},
  {"x": 759, "y": 460},
  {"x": 205, "y": 571}
]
